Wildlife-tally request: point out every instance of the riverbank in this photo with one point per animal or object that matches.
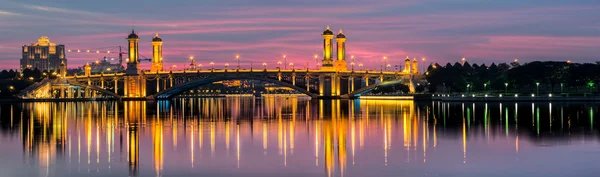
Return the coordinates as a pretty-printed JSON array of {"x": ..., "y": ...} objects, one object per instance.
[{"x": 514, "y": 98}]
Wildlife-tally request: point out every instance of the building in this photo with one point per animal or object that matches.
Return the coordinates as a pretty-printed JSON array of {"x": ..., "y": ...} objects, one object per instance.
[{"x": 43, "y": 55}]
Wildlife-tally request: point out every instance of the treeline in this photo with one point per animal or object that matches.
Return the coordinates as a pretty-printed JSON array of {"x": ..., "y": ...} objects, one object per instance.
[
  {"x": 534, "y": 77},
  {"x": 34, "y": 74}
]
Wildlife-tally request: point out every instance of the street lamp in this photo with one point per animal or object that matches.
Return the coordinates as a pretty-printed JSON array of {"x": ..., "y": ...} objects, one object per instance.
[
  {"x": 484, "y": 87},
  {"x": 468, "y": 85},
  {"x": 212, "y": 65},
  {"x": 537, "y": 85},
  {"x": 384, "y": 60},
  {"x": 292, "y": 65},
  {"x": 172, "y": 67},
  {"x": 316, "y": 63},
  {"x": 226, "y": 66},
  {"x": 505, "y": 87},
  {"x": 388, "y": 67},
  {"x": 284, "y": 61},
  {"x": 352, "y": 64},
  {"x": 463, "y": 60},
  {"x": 265, "y": 65},
  {"x": 199, "y": 66},
  {"x": 423, "y": 64},
  {"x": 279, "y": 64},
  {"x": 360, "y": 65},
  {"x": 237, "y": 57}
]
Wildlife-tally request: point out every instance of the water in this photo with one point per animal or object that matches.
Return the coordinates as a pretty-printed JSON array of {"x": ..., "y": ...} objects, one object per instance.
[{"x": 276, "y": 136}]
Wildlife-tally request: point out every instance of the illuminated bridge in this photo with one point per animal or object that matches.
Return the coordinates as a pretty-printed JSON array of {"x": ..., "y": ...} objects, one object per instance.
[{"x": 333, "y": 80}]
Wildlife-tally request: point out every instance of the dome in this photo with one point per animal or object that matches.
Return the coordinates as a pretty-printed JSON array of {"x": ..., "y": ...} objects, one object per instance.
[
  {"x": 156, "y": 38},
  {"x": 341, "y": 35},
  {"x": 327, "y": 31},
  {"x": 132, "y": 35}
]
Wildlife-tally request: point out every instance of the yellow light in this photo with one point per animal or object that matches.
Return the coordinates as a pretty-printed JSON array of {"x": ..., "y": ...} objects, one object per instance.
[
  {"x": 108, "y": 51},
  {"x": 78, "y": 50},
  {"x": 97, "y": 51},
  {"x": 69, "y": 50},
  {"x": 88, "y": 51}
]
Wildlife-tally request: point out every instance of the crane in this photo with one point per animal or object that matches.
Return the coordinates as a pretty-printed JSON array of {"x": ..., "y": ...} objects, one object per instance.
[{"x": 107, "y": 50}]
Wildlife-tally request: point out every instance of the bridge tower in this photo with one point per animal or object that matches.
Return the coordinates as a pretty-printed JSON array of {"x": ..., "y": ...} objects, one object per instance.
[
  {"x": 135, "y": 83},
  {"x": 407, "y": 65},
  {"x": 340, "y": 63},
  {"x": 327, "y": 63},
  {"x": 157, "y": 60},
  {"x": 415, "y": 66}
]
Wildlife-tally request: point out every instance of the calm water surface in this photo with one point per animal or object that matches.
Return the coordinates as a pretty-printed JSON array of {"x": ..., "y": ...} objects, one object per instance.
[{"x": 243, "y": 136}]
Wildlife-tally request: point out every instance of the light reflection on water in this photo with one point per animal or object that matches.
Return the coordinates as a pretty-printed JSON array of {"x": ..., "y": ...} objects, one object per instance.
[{"x": 274, "y": 136}]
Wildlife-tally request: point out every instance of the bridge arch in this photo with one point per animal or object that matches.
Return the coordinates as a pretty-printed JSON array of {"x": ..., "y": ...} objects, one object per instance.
[
  {"x": 357, "y": 93},
  {"x": 175, "y": 90},
  {"x": 96, "y": 88}
]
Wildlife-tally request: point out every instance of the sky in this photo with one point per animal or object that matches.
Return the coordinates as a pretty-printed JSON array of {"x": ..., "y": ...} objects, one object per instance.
[{"x": 482, "y": 31}]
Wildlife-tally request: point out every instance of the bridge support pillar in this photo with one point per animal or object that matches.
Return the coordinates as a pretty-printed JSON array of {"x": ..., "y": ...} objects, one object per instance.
[
  {"x": 321, "y": 86},
  {"x": 116, "y": 86},
  {"x": 157, "y": 84},
  {"x": 135, "y": 87},
  {"x": 62, "y": 92}
]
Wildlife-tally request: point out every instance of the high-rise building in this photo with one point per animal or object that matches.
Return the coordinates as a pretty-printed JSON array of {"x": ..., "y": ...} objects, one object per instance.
[{"x": 43, "y": 55}]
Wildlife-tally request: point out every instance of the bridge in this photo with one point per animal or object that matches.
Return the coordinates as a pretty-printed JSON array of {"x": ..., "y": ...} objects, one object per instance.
[{"x": 333, "y": 80}]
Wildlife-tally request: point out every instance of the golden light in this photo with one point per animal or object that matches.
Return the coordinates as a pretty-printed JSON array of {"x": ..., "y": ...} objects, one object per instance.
[
  {"x": 78, "y": 50},
  {"x": 264, "y": 64},
  {"x": 88, "y": 51},
  {"x": 30, "y": 78},
  {"x": 384, "y": 57},
  {"x": 174, "y": 66},
  {"x": 237, "y": 56},
  {"x": 352, "y": 63},
  {"x": 212, "y": 63},
  {"x": 284, "y": 56},
  {"x": 97, "y": 62},
  {"x": 226, "y": 64},
  {"x": 360, "y": 64},
  {"x": 389, "y": 65},
  {"x": 423, "y": 59},
  {"x": 191, "y": 57},
  {"x": 108, "y": 69},
  {"x": 279, "y": 62},
  {"x": 316, "y": 56},
  {"x": 97, "y": 51},
  {"x": 69, "y": 50},
  {"x": 199, "y": 65},
  {"x": 568, "y": 61},
  {"x": 352, "y": 57},
  {"x": 11, "y": 87},
  {"x": 108, "y": 51},
  {"x": 291, "y": 64},
  {"x": 463, "y": 59},
  {"x": 516, "y": 60}
]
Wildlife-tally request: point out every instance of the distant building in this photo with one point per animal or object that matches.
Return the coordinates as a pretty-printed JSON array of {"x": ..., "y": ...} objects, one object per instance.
[{"x": 43, "y": 55}]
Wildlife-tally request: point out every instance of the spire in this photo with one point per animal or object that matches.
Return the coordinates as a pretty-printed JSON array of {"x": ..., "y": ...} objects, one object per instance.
[
  {"x": 341, "y": 31},
  {"x": 328, "y": 28}
]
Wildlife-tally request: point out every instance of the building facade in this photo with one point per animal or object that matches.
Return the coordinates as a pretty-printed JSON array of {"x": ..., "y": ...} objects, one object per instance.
[{"x": 43, "y": 55}]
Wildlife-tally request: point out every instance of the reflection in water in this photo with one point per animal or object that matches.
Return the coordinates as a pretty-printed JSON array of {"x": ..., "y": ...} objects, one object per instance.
[{"x": 276, "y": 135}]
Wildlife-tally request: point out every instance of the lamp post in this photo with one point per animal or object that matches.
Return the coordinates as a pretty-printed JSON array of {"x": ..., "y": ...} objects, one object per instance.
[
  {"x": 265, "y": 65},
  {"x": 537, "y": 87},
  {"x": 237, "y": 57},
  {"x": 284, "y": 61},
  {"x": 484, "y": 87},
  {"x": 172, "y": 67},
  {"x": 423, "y": 64},
  {"x": 387, "y": 67},
  {"x": 292, "y": 65},
  {"x": 226, "y": 66},
  {"x": 352, "y": 64},
  {"x": 505, "y": 87},
  {"x": 384, "y": 60},
  {"x": 199, "y": 66},
  {"x": 316, "y": 63},
  {"x": 360, "y": 65},
  {"x": 212, "y": 66},
  {"x": 279, "y": 64},
  {"x": 468, "y": 85}
]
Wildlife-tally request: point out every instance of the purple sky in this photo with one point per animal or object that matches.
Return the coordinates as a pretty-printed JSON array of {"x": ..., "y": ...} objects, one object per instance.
[{"x": 263, "y": 30}]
